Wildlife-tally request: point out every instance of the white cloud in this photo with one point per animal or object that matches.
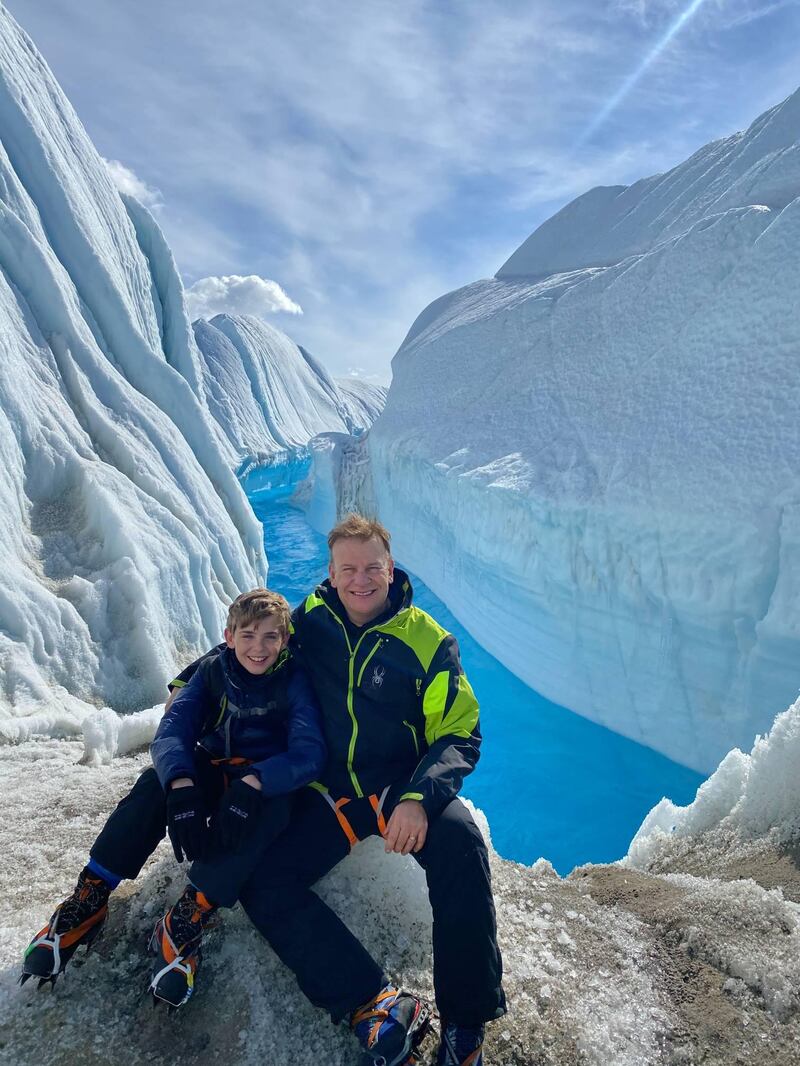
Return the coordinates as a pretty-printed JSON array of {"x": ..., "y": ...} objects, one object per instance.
[
  {"x": 238, "y": 295},
  {"x": 128, "y": 182}
]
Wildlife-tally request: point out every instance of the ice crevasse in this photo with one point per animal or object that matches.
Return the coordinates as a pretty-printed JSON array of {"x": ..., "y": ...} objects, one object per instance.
[{"x": 593, "y": 456}]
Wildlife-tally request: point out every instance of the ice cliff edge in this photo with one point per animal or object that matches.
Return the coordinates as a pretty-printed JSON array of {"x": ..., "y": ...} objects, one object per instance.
[
  {"x": 124, "y": 530},
  {"x": 592, "y": 457}
]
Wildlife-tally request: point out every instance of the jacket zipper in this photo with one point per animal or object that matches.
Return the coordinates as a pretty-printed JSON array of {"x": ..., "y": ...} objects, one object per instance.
[
  {"x": 353, "y": 652},
  {"x": 414, "y": 735},
  {"x": 364, "y": 664}
]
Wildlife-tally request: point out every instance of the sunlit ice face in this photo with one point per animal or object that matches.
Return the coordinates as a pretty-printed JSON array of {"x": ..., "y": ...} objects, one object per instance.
[
  {"x": 257, "y": 645},
  {"x": 361, "y": 571}
]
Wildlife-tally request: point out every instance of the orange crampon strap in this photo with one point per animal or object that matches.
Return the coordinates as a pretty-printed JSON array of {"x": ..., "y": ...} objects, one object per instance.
[
  {"x": 336, "y": 807},
  {"x": 377, "y": 805},
  {"x": 376, "y": 802}
]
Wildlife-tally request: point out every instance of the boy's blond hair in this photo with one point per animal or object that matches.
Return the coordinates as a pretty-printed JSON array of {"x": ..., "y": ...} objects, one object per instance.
[
  {"x": 356, "y": 525},
  {"x": 256, "y": 604}
]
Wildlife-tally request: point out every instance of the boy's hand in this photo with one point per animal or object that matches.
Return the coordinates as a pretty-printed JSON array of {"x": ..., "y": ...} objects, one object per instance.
[
  {"x": 186, "y": 821},
  {"x": 407, "y": 828},
  {"x": 237, "y": 815}
]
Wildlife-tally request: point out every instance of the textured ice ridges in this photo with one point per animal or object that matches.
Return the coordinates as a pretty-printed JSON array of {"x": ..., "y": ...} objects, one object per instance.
[
  {"x": 592, "y": 458},
  {"x": 268, "y": 394},
  {"x": 124, "y": 529}
]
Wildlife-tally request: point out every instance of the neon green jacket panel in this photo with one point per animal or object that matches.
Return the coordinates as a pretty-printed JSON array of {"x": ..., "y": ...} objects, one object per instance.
[{"x": 396, "y": 705}]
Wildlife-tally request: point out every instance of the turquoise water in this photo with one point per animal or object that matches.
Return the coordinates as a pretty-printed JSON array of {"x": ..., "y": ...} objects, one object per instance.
[{"x": 551, "y": 783}]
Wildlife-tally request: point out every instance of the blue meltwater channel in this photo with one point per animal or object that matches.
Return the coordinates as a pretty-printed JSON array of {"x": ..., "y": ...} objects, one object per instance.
[{"x": 551, "y": 783}]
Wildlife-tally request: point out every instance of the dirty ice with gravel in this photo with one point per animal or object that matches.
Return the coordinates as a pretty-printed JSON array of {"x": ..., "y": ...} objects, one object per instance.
[{"x": 125, "y": 532}]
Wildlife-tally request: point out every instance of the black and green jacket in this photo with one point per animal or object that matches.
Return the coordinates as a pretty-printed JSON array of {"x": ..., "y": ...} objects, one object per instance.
[{"x": 397, "y": 708}]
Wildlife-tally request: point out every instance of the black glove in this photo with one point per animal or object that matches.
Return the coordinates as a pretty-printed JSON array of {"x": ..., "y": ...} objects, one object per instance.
[
  {"x": 237, "y": 815},
  {"x": 186, "y": 822}
]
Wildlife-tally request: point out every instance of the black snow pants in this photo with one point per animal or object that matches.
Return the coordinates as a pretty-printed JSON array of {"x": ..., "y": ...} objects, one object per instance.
[
  {"x": 332, "y": 968},
  {"x": 139, "y": 822}
]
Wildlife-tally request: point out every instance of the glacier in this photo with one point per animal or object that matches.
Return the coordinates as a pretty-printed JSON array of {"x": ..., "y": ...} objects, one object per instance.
[
  {"x": 269, "y": 395},
  {"x": 593, "y": 457},
  {"x": 125, "y": 529}
]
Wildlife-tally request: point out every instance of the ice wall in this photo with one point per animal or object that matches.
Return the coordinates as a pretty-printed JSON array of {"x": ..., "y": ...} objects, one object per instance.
[
  {"x": 593, "y": 457},
  {"x": 366, "y": 400},
  {"x": 123, "y": 528},
  {"x": 269, "y": 395}
]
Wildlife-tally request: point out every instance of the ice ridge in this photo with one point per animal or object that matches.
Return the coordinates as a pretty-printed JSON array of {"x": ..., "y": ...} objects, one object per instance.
[
  {"x": 124, "y": 529},
  {"x": 592, "y": 457}
]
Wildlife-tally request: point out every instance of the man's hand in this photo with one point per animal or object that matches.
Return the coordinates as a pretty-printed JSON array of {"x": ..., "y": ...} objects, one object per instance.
[
  {"x": 407, "y": 828},
  {"x": 238, "y": 813},
  {"x": 186, "y": 819}
]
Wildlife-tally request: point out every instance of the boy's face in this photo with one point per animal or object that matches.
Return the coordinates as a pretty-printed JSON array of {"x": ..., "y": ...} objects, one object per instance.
[{"x": 257, "y": 645}]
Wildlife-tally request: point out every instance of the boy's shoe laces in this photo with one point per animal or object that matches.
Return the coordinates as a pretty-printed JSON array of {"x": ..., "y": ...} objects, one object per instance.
[
  {"x": 188, "y": 918},
  {"x": 90, "y": 896}
]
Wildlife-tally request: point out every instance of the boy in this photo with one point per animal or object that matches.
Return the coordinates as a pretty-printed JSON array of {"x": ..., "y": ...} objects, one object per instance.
[{"x": 240, "y": 735}]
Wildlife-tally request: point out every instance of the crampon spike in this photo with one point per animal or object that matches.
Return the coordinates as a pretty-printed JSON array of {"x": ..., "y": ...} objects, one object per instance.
[
  {"x": 23, "y": 977},
  {"x": 47, "y": 981}
]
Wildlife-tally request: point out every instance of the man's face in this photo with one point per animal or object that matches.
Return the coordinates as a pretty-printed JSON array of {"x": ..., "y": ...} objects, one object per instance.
[
  {"x": 257, "y": 645},
  {"x": 361, "y": 571}
]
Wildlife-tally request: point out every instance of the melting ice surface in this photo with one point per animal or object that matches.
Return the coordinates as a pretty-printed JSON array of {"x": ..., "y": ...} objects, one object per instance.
[{"x": 551, "y": 783}]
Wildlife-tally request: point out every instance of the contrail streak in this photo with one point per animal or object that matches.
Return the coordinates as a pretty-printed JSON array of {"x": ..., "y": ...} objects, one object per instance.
[{"x": 633, "y": 78}]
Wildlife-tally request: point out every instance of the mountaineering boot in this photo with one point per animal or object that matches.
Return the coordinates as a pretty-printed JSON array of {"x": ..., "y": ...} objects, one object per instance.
[
  {"x": 390, "y": 1026},
  {"x": 176, "y": 944},
  {"x": 460, "y": 1046},
  {"x": 78, "y": 920}
]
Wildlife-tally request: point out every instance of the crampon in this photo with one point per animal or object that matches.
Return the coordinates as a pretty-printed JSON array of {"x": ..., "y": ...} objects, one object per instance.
[
  {"x": 77, "y": 921},
  {"x": 176, "y": 944}
]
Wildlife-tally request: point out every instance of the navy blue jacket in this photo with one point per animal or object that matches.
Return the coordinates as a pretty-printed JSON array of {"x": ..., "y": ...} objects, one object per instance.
[
  {"x": 396, "y": 705},
  {"x": 272, "y": 721}
]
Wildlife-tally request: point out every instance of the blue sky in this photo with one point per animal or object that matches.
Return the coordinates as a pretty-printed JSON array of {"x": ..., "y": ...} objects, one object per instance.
[{"x": 366, "y": 156}]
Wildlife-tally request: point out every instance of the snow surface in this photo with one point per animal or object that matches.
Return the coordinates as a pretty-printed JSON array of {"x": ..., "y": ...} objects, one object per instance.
[
  {"x": 593, "y": 457},
  {"x": 125, "y": 532},
  {"x": 610, "y": 966}
]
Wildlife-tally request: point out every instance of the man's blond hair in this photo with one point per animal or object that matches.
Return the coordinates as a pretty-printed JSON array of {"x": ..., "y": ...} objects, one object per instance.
[
  {"x": 356, "y": 526},
  {"x": 256, "y": 604}
]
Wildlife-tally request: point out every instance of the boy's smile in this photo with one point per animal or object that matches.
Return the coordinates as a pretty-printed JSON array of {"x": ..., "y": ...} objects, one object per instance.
[{"x": 257, "y": 645}]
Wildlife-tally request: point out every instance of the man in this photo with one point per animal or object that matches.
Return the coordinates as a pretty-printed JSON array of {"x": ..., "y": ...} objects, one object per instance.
[{"x": 401, "y": 724}]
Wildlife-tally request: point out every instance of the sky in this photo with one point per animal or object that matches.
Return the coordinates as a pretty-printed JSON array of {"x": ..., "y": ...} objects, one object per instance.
[{"x": 336, "y": 165}]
